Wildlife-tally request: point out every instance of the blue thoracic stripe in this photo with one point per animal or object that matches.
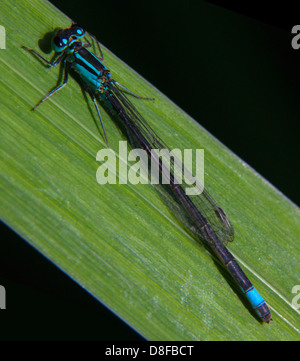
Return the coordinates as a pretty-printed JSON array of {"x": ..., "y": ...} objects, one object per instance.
[
  {"x": 254, "y": 297},
  {"x": 88, "y": 66}
]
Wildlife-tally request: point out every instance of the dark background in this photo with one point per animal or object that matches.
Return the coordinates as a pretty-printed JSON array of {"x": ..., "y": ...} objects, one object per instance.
[{"x": 236, "y": 74}]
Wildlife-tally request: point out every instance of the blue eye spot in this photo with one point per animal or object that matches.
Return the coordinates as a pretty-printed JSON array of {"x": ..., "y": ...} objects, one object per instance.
[
  {"x": 64, "y": 40},
  {"x": 79, "y": 31}
]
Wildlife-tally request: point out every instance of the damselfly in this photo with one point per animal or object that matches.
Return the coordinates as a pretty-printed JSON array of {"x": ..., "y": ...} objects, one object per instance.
[{"x": 209, "y": 220}]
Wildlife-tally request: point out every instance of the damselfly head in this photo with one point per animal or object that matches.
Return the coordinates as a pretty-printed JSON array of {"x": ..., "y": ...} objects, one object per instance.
[{"x": 65, "y": 37}]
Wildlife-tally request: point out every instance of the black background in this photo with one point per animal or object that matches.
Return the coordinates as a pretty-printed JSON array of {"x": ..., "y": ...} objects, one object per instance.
[{"x": 161, "y": 41}]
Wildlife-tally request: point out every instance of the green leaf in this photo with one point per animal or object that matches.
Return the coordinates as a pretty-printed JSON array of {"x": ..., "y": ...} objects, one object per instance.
[{"x": 121, "y": 242}]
